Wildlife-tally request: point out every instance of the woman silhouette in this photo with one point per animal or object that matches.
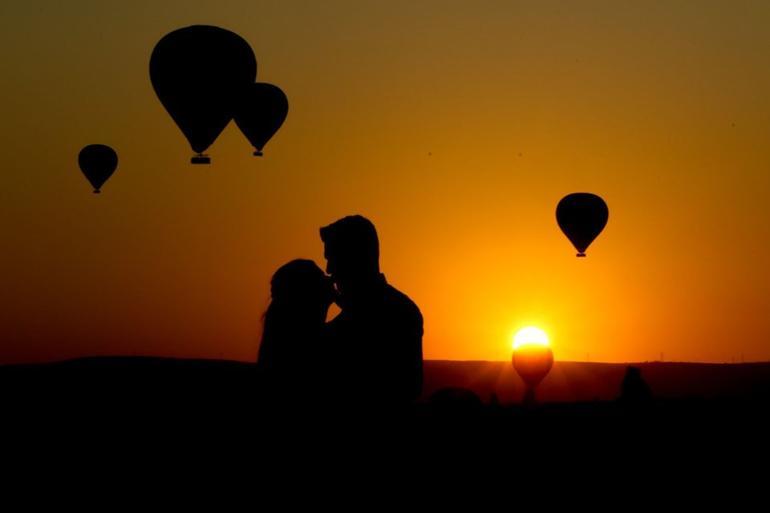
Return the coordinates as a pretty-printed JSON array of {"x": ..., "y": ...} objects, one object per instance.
[{"x": 292, "y": 350}]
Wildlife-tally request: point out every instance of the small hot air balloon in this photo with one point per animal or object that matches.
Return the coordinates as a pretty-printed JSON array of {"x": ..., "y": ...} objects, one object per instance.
[
  {"x": 261, "y": 112},
  {"x": 97, "y": 162},
  {"x": 198, "y": 73},
  {"x": 582, "y": 216},
  {"x": 532, "y": 359},
  {"x": 533, "y": 364}
]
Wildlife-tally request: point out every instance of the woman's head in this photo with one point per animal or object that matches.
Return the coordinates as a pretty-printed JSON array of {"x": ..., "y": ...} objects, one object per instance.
[
  {"x": 301, "y": 284},
  {"x": 300, "y": 298}
]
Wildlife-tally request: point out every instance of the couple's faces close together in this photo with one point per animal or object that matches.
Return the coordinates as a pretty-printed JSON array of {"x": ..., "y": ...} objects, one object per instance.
[
  {"x": 351, "y": 251},
  {"x": 333, "y": 270},
  {"x": 335, "y": 275},
  {"x": 346, "y": 269}
]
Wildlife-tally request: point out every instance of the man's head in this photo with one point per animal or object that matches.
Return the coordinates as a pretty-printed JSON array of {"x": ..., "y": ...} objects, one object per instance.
[{"x": 352, "y": 251}]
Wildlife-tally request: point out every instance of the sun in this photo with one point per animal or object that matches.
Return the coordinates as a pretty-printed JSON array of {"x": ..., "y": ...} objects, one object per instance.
[{"x": 530, "y": 336}]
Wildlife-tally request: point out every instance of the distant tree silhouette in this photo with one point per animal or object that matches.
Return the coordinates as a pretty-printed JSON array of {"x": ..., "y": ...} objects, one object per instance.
[
  {"x": 455, "y": 402},
  {"x": 633, "y": 389}
]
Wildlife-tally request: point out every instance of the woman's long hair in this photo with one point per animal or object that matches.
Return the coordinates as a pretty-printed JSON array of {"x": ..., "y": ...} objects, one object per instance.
[{"x": 293, "y": 322}]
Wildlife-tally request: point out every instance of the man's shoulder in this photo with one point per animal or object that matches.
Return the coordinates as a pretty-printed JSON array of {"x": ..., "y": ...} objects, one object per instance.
[{"x": 397, "y": 300}]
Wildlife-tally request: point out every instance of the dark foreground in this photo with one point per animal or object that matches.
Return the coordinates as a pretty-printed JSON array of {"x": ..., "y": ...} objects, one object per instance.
[
  {"x": 465, "y": 403},
  {"x": 139, "y": 420}
]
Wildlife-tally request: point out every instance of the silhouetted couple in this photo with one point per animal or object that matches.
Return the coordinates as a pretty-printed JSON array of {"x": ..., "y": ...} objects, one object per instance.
[{"x": 370, "y": 355}]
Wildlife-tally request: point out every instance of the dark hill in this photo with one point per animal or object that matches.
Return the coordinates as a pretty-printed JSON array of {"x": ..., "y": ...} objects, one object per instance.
[
  {"x": 170, "y": 379},
  {"x": 582, "y": 381}
]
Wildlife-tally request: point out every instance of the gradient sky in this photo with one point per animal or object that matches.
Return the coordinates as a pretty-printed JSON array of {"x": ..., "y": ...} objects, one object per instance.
[{"x": 455, "y": 126}]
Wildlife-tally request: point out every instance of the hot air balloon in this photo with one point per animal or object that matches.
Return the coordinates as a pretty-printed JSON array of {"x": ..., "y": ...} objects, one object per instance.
[
  {"x": 261, "y": 112},
  {"x": 198, "y": 73},
  {"x": 97, "y": 162},
  {"x": 533, "y": 364},
  {"x": 532, "y": 359},
  {"x": 582, "y": 216}
]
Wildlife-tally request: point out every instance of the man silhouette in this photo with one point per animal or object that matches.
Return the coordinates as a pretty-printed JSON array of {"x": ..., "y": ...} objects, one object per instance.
[{"x": 376, "y": 340}]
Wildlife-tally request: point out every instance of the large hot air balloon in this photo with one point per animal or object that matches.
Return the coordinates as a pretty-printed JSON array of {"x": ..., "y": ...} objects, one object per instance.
[
  {"x": 199, "y": 73},
  {"x": 261, "y": 112},
  {"x": 582, "y": 216},
  {"x": 97, "y": 162}
]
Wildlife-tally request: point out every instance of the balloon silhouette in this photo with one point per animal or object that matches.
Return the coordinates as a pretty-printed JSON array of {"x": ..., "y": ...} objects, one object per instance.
[
  {"x": 532, "y": 363},
  {"x": 582, "y": 216},
  {"x": 198, "y": 73},
  {"x": 261, "y": 112},
  {"x": 97, "y": 162}
]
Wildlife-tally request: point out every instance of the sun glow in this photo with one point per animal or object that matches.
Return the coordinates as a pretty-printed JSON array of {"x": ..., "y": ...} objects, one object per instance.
[{"x": 530, "y": 336}]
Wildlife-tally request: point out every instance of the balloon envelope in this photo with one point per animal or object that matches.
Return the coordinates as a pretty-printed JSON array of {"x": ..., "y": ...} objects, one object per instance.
[
  {"x": 533, "y": 363},
  {"x": 260, "y": 113},
  {"x": 198, "y": 73},
  {"x": 97, "y": 162},
  {"x": 582, "y": 216}
]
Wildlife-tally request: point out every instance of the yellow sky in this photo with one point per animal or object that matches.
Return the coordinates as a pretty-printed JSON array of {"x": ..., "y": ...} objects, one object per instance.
[{"x": 455, "y": 126}]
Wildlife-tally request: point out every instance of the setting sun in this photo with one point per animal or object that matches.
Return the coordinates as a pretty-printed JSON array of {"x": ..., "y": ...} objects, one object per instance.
[{"x": 530, "y": 336}]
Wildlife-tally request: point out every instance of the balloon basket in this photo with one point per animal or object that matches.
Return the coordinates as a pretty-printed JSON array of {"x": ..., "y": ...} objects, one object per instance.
[
  {"x": 200, "y": 159},
  {"x": 97, "y": 191},
  {"x": 529, "y": 399},
  {"x": 257, "y": 153},
  {"x": 581, "y": 255}
]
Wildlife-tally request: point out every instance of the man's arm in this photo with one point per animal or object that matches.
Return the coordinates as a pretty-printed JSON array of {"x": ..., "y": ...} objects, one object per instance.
[
  {"x": 409, "y": 338},
  {"x": 416, "y": 344}
]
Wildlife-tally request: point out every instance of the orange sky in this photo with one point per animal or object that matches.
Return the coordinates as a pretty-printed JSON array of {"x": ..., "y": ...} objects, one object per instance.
[{"x": 455, "y": 126}]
